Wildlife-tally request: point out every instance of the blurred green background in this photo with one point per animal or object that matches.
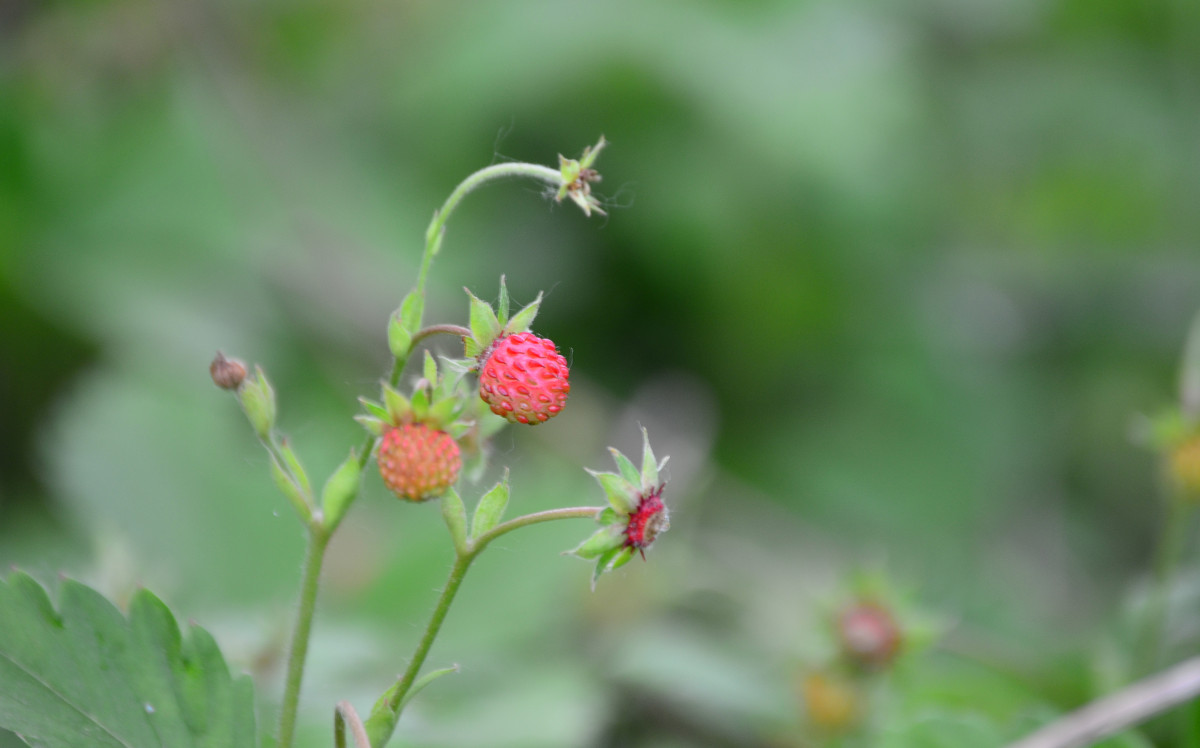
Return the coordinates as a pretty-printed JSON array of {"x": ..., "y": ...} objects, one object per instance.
[{"x": 891, "y": 282}]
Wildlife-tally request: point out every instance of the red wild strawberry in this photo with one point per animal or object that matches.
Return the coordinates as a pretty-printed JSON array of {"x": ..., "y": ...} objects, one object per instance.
[
  {"x": 524, "y": 379},
  {"x": 418, "y": 462}
]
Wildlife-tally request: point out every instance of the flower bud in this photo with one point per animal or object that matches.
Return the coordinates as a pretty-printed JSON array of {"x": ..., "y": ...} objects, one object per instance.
[
  {"x": 227, "y": 373},
  {"x": 258, "y": 402},
  {"x": 868, "y": 635}
]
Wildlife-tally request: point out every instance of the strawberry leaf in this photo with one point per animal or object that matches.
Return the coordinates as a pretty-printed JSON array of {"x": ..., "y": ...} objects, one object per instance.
[{"x": 87, "y": 675}]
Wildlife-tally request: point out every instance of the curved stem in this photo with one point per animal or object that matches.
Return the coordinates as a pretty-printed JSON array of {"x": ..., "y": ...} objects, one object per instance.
[
  {"x": 437, "y": 227},
  {"x": 318, "y": 540},
  {"x": 444, "y": 329},
  {"x": 575, "y": 512}
]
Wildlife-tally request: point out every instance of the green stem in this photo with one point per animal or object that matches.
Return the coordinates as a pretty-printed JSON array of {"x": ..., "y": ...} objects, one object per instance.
[
  {"x": 1170, "y": 549},
  {"x": 437, "y": 227},
  {"x": 396, "y": 695},
  {"x": 318, "y": 540}
]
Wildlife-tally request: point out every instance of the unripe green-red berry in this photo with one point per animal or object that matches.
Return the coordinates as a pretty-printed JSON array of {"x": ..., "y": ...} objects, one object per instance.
[
  {"x": 524, "y": 379},
  {"x": 418, "y": 462},
  {"x": 868, "y": 635}
]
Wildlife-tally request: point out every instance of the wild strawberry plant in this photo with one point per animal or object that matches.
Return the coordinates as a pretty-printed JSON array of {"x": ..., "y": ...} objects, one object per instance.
[{"x": 86, "y": 674}]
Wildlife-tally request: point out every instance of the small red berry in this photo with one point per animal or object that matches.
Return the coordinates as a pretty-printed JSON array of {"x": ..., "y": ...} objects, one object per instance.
[
  {"x": 869, "y": 635},
  {"x": 418, "y": 462},
  {"x": 524, "y": 379}
]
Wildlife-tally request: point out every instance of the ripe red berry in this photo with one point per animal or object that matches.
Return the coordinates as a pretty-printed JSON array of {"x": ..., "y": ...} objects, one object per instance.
[
  {"x": 418, "y": 462},
  {"x": 524, "y": 379}
]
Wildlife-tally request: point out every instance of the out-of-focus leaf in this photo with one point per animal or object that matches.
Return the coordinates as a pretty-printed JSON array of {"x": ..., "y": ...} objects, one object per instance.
[{"x": 86, "y": 675}]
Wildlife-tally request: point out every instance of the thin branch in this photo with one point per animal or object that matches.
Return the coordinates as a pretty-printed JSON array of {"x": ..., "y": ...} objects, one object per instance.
[
  {"x": 1125, "y": 708},
  {"x": 343, "y": 714}
]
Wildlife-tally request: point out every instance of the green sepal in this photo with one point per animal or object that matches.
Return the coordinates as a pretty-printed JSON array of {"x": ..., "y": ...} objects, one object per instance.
[
  {"x": 410, "y": 312},
  {"x": 613, "y": 559},
  {"x": 288, "y": 486},
  {"x": 258, "y": 402},
  {"x": 523, "y": 320},
  {"x": 628, "y": 471},
  {"x": 429, "y": 370},
  {"x": 620, "y": 492},
  {"x": 490, "y": 509},
  {"x": 591, "y": 152},
  {"x": 340, "y": 491},
  {"x": 502, "y": 304},
  {"x": 622, "y": 558},
  {"x": 608, "y": 516},
  {"x": 455, "y": 515},
  {"x": 649, "y": 465},
  {"x": 398, "y": 337},
  {"x": 420, "y": 404},
  {"x": 375, "y": 409},
  {"x": 443, "y": 411},
  {"x": 398, "y": 406},
  {"x": 373, "y": 425},
  {"x": 471, "y": 348},
  {"x": 485, "y": 327},
  {"x": 600, "y": 542},
  {"x": 294, "y": 467},
  {"x": 457, "y": 430}
]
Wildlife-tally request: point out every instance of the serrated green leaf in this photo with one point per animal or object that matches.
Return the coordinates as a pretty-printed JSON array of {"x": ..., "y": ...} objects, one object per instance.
[
  {"x": 628, "y": 471},
  {"x": 455, "y": 515},
  {"x": 502, "y": 303},
  {"x": 485, "y": 327},
  {"x": 619, "y": 492},
  {"x": 430, "y": 371},
  {"x": 87, "y": 676},
  {"x": 523, "y": 320},
  {"x": 490, "y": 508},
  {"x": 412, "y": 309}
]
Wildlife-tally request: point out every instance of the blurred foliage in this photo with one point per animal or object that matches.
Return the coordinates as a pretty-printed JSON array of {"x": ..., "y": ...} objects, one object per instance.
[{"x": 889, "y": 281}]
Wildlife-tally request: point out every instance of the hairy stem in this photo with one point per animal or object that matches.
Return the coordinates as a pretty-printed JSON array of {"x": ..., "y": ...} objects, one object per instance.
[
  {"x": 397, "y": 695},
  {"x": 318, "y": 540},
  {"x": 437, "y": 227}
]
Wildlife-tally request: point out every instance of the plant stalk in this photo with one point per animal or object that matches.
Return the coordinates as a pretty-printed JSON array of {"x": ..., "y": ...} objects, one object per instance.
[{"x": 318, "y": 541}]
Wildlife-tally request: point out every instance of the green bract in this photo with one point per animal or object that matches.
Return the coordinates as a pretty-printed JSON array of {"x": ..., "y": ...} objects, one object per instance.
[
  {"x": 488, "y": 325},
  {"x": 635, "y": 516}
]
